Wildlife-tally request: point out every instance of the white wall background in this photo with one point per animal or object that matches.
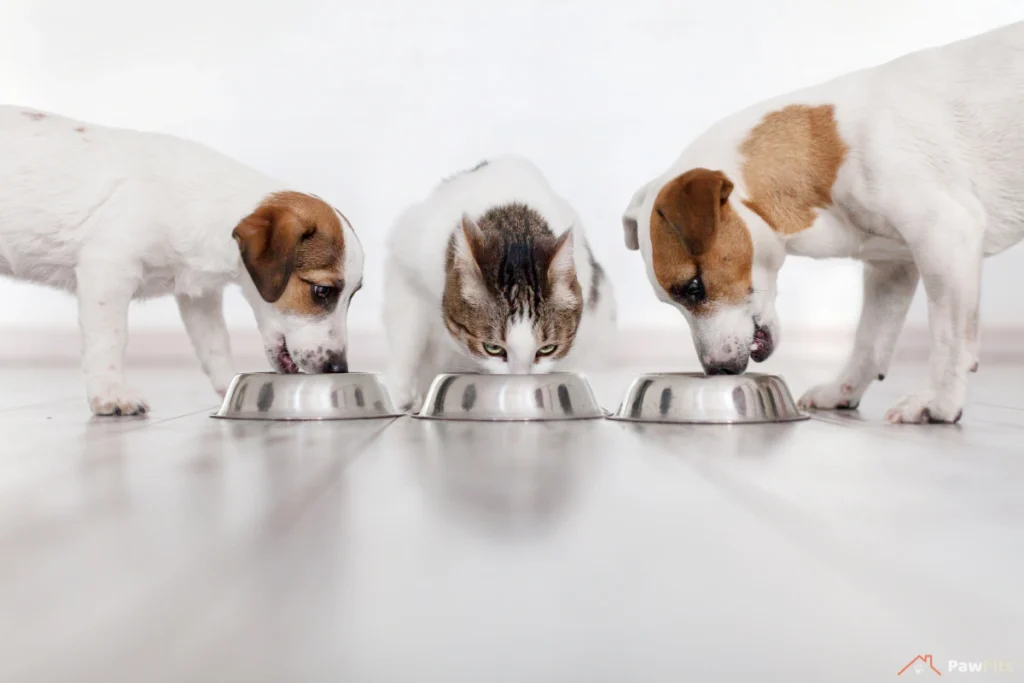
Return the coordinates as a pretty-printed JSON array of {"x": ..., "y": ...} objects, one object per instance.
[{"x": 370, "y": 103}]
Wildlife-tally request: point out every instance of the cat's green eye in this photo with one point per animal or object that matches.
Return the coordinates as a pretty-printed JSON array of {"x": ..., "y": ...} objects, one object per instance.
[
  {"x": 547, "y": 350},
  {"x": 493, "y": 349}
]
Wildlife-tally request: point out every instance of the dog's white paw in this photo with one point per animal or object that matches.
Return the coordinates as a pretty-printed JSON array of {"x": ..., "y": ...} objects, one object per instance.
[
  {"x": 220, "y": 375},
  {"x": 116, "y": 399},
  {"x": 925, "y": 407},
  {"x": 221, "y": 384},
  {"x": 972, "y": 361},
  {"x": 831, "y": 396},
  {"x": 412, "y": 405},
  {"x": 407, "y": 399}
]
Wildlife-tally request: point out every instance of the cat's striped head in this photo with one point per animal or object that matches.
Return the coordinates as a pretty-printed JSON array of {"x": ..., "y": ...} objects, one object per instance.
[{"x": 512, "y": 300}]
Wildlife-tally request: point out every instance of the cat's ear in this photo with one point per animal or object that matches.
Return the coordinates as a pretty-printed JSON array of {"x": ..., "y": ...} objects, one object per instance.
[
  {"x": 469, "y": 242},
  {"x": 562, "y": 271},
  {"x": 468, "y": 247},
  {"x": 630, "y": 219}
]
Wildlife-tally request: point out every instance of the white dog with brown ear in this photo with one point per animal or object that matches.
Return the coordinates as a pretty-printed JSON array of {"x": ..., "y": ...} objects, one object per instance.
[
  {"x": 915, "y": 167},
  {"x": 114, "y": 215}
]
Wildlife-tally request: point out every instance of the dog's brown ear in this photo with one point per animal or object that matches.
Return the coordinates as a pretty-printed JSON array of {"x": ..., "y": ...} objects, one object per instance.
[
  {"x": 692, "y": 206},
  {"x": 268, "y": 239}
]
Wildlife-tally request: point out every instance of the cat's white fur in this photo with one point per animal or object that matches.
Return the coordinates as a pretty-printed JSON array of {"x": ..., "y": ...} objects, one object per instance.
[{"x": 414, "y": 274}]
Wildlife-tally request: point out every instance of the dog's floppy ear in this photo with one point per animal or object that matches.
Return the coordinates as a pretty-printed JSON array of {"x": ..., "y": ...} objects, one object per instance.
[
  {"x": 692, "y": 206},
  {"x": 630, "y": 227},
  {"x": 268, "y": 239}
]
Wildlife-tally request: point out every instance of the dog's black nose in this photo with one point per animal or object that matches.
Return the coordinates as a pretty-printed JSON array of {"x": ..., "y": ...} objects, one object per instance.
[
  {"x": 730, "y": 368},
  {"x": 336, "y": 362}
]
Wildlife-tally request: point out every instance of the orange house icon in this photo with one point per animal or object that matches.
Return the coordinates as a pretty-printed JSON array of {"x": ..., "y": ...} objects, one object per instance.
[{"x": 920, "y": 664}]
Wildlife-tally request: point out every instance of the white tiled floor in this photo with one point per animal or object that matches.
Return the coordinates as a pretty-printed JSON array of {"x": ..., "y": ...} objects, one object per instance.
[{"x": 179, "y": 548}]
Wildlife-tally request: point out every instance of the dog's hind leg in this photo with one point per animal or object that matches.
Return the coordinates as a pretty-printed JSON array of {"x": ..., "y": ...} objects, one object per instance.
[
  {"x": 204, "y": 321},
  {"x": 105, "y": 290},
  {"x": 888, "y": 290}
]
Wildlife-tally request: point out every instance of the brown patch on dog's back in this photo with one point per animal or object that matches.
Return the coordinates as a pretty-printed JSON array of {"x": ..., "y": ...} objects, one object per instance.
[
  {"x": 792, "y": 158},
  {"x": 80, "y": 129},
  {"x": 34, "y": 115},
  {"x": 694, "y": 230},
  {"x": 289, "y": 242}
]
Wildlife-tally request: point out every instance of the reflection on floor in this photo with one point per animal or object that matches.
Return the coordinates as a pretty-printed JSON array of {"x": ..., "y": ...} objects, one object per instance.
[{"x": 181, "y": 548}]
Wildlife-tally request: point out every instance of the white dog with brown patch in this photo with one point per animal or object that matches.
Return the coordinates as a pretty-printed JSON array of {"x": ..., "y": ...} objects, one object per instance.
[
  {"x": 114, "y": 215},
  {"x": 915, "y": 167}
]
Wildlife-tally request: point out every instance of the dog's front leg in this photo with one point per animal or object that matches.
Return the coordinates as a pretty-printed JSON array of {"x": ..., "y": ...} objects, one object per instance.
[
  {"x": 974, "y": 335},
  {"x": 949, "y": 257},
  {"x": 888, "y": 290},
  {"x": 104, "y": 292},
  {"x": 407, "y": 321},
  {"x": 204, "y": 321}
]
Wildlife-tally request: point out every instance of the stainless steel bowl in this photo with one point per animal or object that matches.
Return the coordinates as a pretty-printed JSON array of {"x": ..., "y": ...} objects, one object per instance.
[
  {"x": 510, "y": 398},
  {"x": 695, "y": 398},
  {"x": 272, "y": 396}
]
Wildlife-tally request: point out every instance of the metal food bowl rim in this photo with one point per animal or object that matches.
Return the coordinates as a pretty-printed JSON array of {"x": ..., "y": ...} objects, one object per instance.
[
  {"x": 392, "y": 414},
  {"x": 603, "y": 413},
  {"x": 799, "y": 415},
  {"x": 298, "y": 375},
  {"x": 703, "y": 375}
]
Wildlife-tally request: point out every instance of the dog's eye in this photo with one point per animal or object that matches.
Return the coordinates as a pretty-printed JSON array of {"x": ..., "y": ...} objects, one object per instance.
[
  {"x": 323, "y": 292},
  {"x": 690, "y": 293},
  {"x": 494, "y": 349},
  {"x": 547, "y": 350}
]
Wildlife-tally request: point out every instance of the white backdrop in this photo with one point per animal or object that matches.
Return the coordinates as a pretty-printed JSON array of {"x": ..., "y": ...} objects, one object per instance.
[{"x": 370, "y": 103}]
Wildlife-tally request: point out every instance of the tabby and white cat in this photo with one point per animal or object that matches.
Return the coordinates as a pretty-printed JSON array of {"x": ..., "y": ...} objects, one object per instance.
[{"x": 491, "y": 273}]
